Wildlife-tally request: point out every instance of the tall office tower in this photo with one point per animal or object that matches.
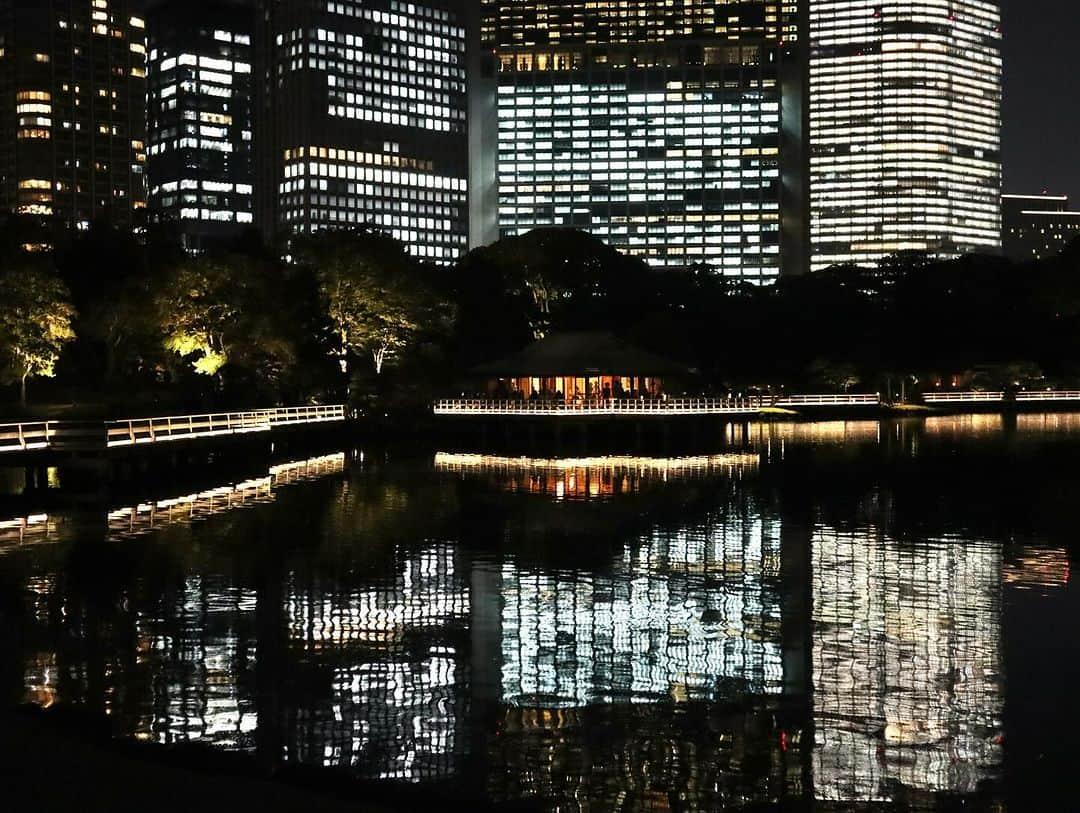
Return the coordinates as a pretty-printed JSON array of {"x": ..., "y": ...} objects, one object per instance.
[
  {"x": 199, "y": 123},
  {"x": 1034, "y": 227},
  {"x": 361, "y": 120},
  {"x": 905, "y": 126},
  {"x": 673, "y": 131},
  {"x": 72, "y": 110}
]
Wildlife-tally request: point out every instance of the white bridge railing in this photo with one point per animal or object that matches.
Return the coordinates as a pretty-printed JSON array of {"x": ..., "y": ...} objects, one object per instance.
[
  {"x": 997, "y": 396},
  {"x": 83, "y": 435},
  {"x": 971, "y": 397},
  {"x": 1049, "y": 395},
  {"x": 22, "y": 437},
  {"x": 132, "y": 431},
  {"x": 648, "y": 407}
]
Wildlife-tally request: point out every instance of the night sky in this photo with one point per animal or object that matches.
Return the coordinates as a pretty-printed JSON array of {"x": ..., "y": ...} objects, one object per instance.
[{"x": 1041, "y": 138}]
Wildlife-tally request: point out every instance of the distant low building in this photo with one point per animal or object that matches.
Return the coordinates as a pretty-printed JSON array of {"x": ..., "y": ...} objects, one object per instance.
[
  {"x": 579, "y": 366},
  {"x": 1037, "y": 226}
]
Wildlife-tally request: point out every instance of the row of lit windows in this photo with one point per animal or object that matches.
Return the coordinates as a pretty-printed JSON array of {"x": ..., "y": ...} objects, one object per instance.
[
  {"x": 904, "y": 128},
  {"x": 349, "y": 187}
]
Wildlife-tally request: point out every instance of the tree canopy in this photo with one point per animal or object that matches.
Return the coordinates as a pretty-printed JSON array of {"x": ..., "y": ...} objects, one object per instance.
[
  {"x": 35, "y": 323},
  {"x": 375, "y": 296},
  {"x": 245, "y": 324}
]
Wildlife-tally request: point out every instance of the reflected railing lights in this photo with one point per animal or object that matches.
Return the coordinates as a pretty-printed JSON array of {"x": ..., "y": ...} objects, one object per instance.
[{"x": 448, "y": 462}]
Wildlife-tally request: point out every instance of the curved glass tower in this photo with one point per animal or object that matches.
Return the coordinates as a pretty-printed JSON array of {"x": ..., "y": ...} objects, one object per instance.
[{"x": 905, "y": 124}]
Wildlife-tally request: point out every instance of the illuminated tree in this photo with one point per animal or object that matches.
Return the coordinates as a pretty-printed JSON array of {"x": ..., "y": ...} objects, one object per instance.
[
  {"x": 218, "y": 312},
  {"x": 373, "y": 293},
  {"x": 198, "y": 309},
  {"x": 35, "y": 323}
]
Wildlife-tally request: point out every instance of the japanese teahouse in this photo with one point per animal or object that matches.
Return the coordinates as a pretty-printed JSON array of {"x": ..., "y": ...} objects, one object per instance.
[{"x": 578, "y": 367}]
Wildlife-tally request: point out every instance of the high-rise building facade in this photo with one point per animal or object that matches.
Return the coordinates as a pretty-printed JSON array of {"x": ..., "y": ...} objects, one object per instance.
[
  {"x": 1034, "y": 227},
  {"x": 905, "y": 124},
  {"x": 199, "y": 121},
  {"x": 672, "y": 131},
  {"x": 362, "y": 120},
  {"x": 72, "y": 110}
]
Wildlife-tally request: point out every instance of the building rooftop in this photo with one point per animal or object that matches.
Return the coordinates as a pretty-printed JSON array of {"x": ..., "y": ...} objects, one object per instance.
[{"x": 581, "y": 353}]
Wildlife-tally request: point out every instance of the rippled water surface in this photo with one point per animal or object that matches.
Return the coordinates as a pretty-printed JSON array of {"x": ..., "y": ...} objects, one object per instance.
[{"x": 806, "y": 614}]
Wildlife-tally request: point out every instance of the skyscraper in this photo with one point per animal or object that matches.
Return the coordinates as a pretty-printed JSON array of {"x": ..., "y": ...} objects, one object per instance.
[
  {"x": 905, "y": 124},
  {"x": 200, "y": 130},
  {"x": 72, "y": 110},
  {"x": 361, "y": 120},
  {"x": 673, "y": 131}
]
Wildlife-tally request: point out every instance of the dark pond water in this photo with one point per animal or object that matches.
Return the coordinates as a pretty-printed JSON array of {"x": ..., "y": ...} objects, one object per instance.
[{"x": 807, "y": 614}]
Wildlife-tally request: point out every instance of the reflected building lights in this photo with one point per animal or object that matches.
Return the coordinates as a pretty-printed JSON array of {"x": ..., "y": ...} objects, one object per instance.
[
  {"x": 396, "y": 708},
  {"x": 1036, "y": 567},
  {"x": 906, "y": 665},
  {"x": 198, "y": 651},
  {"x": 688, "y": 615},
  {"x": 724, "y": 658}
]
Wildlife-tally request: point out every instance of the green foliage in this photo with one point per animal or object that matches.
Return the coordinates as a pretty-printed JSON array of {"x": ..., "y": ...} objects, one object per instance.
[
  {"x": 374, "y": 295},
  {"x": 218, "y": 312},
  {"x": 35, "y": 323}
]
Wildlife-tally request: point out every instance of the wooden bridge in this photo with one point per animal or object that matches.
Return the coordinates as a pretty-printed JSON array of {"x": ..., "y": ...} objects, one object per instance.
[{"x": 100, "y": 436}]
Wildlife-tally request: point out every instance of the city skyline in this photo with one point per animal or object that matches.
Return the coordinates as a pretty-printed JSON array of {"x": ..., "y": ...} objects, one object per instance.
[{"x": 677, "y": 197}]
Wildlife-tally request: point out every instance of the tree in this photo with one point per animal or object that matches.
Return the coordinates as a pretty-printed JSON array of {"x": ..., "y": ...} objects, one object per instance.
[
  {"x": 564, "y": 279},
  {"x": 837, "y": 375},
  {"x": 35, "y": 323},
  {"x": 222, "y": 311},
  {"x": 198, "y": 308},
  {"x": 375, "y": 298}
]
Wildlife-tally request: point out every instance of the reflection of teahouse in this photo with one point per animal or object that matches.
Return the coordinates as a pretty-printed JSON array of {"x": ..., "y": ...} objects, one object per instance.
[{"x": 577, "y": 367}]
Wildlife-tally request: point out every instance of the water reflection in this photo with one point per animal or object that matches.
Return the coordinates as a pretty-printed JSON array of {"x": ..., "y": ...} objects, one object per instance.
[
  {"x": 684, "y": 614},
  {"x": 591, "y": 477},
  {"x": 906, "y": 665},
  {"x": 144, "y": 517},
  {"x": 1067, "y": 423},
  {"x": 28, "y": 530},
  {"x": 817, "y": 433},
  {"x": 1041, "y": 568},
  {"x": 395, "y": 707},
  {"x": 971, "y": 427},
  {"x": 737, "y": 645}
]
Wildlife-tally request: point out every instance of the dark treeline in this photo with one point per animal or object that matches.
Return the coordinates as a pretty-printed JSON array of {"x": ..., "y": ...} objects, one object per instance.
[{"x": 115, "y": 324}]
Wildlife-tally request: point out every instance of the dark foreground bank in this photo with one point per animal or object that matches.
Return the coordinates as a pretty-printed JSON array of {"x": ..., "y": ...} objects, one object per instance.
[{"x": 63, "y": 759}]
